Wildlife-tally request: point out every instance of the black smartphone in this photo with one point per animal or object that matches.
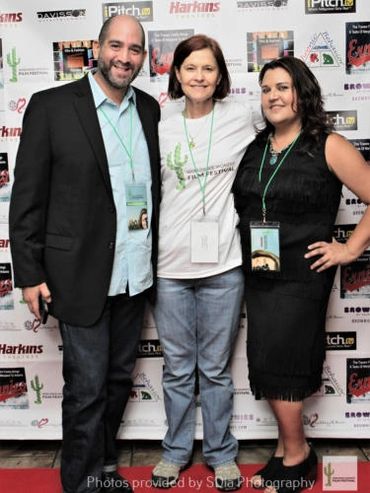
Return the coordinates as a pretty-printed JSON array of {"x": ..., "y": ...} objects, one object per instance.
[{"x": 43, "y": 309}]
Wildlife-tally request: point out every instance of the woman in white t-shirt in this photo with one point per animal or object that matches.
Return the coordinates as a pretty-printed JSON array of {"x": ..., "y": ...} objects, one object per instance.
[{"x": 200, "y": 283}]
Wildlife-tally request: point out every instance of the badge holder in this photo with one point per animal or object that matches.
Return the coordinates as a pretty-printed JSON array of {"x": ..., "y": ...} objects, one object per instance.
[
  {"x": 204, "y": 240},
  {"x": 136, "y": 207},
  {"x": 265, "y": 246}
]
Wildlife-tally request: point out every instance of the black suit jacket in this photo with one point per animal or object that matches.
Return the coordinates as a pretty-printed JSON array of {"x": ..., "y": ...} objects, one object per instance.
[{"x": 62, "y": 214}]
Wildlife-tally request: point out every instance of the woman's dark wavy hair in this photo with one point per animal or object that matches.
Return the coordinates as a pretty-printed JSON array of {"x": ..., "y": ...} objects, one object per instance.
[
  {"x": 183, "y": 50},
  {"x": 310, "y": 105}
]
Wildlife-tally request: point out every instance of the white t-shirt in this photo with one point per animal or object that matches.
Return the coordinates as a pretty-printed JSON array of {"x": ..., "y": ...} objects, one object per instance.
[{"x": 181, "y": 195}]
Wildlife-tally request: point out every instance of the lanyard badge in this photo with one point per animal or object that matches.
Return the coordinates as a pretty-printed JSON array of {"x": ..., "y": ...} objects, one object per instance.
[
  {"x": 265, "y": 236},
  {"x": 204, "y": 241},
  {"x": 265, "y": 246},
  {"x": 136, "y": 207}
]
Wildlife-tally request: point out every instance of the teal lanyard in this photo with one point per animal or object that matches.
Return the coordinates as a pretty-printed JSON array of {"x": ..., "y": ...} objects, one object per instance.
[
  {"x": 264, "y": 210},
  {"x": 203, "y": 185},
  {"x": 129, "y": 150}
]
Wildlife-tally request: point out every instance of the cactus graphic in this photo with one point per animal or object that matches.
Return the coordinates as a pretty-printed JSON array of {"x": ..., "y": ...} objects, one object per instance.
[
  {"x": 35, "y": 384},
  {"x": 177, "y": 164},
  {"x": 329, "y": 472},
  {"x": 13, "y": 61}
]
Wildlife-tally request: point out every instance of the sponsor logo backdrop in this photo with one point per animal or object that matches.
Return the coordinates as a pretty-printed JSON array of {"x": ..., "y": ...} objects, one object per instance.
[{"x": 43, "y": 45}]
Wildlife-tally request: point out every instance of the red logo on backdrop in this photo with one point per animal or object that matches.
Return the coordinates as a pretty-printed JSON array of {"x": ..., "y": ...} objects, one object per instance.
[
  {"x": 161, "y": 63},
  {"x": 40, "y": 423},
  {"x": 17, "y": 106},
  {"x": 355, "y": 280},
  {"x": 358, "y": 54},
  {"x": 358, "y": 386},
  {"x": 6, "y": 287},
  {"x": 163, "y": 97},
  {"x": 4, "y": 177},
  {"x": 12, "y": 390}
]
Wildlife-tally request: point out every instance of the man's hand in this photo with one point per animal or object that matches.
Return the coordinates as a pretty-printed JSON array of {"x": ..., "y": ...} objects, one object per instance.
[{"x": 31, "y": 297}]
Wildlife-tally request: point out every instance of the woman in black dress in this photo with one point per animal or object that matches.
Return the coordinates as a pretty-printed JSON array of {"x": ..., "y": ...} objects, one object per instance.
[{"x": 288, "y": 185}]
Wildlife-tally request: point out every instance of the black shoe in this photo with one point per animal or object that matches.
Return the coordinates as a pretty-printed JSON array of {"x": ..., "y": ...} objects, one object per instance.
[
  {"x": 293, "y": 479},
  {"x": 115, "y": 483},
  {"x": 266, "y": 473}
]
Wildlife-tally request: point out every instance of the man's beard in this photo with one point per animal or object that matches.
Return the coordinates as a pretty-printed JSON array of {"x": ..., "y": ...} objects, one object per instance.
[{"x": 116, "y": 83}]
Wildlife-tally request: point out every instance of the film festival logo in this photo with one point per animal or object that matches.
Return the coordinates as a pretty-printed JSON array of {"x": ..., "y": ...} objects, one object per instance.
[
  {"x": 339, "y": 473},
  {"x": 37, "y": 387},
  {"x": 13, "y": 61}
]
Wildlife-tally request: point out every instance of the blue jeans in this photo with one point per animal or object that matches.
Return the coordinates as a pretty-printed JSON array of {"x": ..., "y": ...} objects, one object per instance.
[{"x": 197, "y": 322}]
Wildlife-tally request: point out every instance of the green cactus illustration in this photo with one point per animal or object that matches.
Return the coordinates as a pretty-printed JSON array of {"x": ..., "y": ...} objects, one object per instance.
[
  {"x": 35, "y": 384},
  {"x": 329, "y": 472},
  {"x": 176, "y": 163},
  {"x": 13, "y": 62}
]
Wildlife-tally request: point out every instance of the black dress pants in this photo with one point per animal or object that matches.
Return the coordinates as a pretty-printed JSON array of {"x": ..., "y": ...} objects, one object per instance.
[{"x": 97, "y": 366}]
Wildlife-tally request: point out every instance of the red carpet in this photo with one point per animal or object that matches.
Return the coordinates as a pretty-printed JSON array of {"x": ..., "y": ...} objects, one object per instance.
[{"x": 197, "y": 478}]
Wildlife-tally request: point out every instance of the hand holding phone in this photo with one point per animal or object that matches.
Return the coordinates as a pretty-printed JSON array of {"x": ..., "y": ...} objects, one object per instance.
[{"x": 43, "y": 310}]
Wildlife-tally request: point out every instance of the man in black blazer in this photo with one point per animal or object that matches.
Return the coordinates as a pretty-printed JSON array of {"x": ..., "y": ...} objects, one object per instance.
[{"x": 88, "y": 151}]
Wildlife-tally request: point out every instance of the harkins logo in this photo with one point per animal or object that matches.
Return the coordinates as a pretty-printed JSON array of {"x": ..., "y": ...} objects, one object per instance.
[
  {"x": 330, "y": 6},
  {"x": 61, "y": 14},
  {"x": 10, "y": 18},
  {"x": 194, "y": 7},
  {"x": 21, "y": 349},
  {"x": 4, "y": 243},
  {"x": 10, "y": 132}
]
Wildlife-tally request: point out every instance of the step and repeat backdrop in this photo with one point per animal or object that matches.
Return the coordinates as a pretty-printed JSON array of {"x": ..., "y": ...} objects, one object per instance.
[{"x": 47, "y": 43}]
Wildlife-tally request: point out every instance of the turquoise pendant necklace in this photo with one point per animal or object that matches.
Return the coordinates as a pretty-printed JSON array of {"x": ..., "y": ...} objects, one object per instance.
[{"x": 273, "y": 155}]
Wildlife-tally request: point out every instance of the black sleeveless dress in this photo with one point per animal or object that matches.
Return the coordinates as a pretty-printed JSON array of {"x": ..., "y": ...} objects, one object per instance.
[{"x": 286, "y": 310}]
